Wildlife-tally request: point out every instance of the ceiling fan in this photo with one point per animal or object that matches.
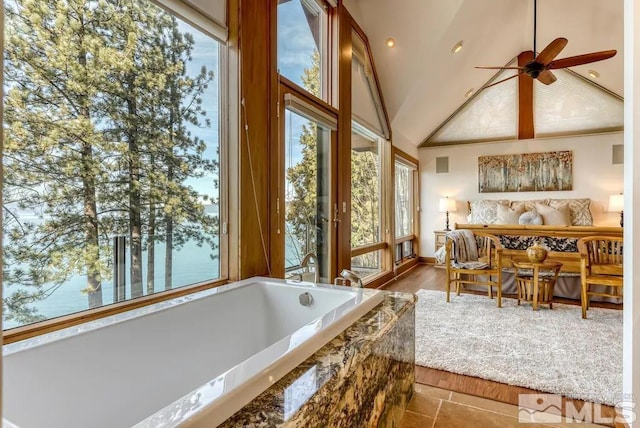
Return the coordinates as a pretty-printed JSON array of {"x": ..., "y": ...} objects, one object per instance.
[{"x": 541, "y": 66}]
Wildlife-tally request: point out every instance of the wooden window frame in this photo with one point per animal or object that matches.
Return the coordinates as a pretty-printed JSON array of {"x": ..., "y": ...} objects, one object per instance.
[
  {"x": 70, "y": 320},
  {"x": 327, "y": 104},
  {"x": 277, "y": 247}
]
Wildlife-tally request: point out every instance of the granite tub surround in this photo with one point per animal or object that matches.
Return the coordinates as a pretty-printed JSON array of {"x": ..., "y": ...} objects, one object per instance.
[{"x": 364, "y": 377}]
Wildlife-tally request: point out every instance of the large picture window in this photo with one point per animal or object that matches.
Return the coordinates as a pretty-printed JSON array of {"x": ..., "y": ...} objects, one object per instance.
[
  {"x": 405, "y": 179},
  {"x": 404, "y": 198},
  {"x": 111, "y": 155},
  {"x": 366, "y": 201},
  {"x": 369, "y": 169}
]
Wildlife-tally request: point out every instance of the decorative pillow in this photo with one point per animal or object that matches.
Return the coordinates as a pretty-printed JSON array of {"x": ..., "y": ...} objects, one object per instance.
[
  {"x": 531, "y": 205},
  {"x": 530, "y": 217},
  {"x": 554, "y": 216},
  {"x": 508, "y": 215},
  {"x": 484, "y": 211},
  {"x": 578, "y": 210},
  {"x": 519, "y": 206}
]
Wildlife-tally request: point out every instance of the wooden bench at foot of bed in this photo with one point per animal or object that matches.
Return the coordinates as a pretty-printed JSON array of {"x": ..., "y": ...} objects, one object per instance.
[{"x": 570, "y": 259}]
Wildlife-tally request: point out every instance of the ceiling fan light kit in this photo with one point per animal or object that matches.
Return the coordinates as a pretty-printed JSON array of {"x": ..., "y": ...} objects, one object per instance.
[{"x": 541, "y": 66}]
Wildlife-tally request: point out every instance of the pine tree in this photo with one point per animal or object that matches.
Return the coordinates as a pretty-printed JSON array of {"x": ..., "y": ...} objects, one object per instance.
[
  {"x": 302, "y": 200},
  {"x": 365, "y": 202},
  {"x": 95, "y": 143},
  {"x": 182, "y": 153},
  {"x": 53, "y": 148}
]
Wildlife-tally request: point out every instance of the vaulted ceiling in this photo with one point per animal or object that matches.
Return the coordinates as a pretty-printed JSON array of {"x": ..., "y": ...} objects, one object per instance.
[{"x": 423, "y": 82}]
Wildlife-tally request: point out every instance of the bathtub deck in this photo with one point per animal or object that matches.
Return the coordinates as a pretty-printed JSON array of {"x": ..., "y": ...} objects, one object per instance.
[{"x": 363, "y": 377}]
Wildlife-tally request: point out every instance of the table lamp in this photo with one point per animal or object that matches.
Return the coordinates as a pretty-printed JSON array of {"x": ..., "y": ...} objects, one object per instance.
[
  {"x": 616, "y": 204},
  {"x": 446, "y": 206}
]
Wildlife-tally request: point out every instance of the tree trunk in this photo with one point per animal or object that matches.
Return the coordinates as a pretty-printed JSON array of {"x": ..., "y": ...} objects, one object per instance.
[
  {"x": 168, "y": 258},
  {"x": 90, "y": 210},
  {"x": 174, "y": 103},
  {"x": 135, "y": 217},
  {"x": 94, "y": 289},
  {"x": 151, "y": 248},
  {"x": 135, "y": 233}
]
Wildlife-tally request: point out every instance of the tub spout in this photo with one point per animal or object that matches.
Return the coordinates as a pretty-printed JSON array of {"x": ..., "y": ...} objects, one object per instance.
[
  {"x": 305, "y": 264},
  {"x": 347, "y": 275}
]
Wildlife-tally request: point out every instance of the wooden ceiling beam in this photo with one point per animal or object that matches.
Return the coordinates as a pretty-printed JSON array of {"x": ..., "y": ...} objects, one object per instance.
[{"x": 525, "y": 99}]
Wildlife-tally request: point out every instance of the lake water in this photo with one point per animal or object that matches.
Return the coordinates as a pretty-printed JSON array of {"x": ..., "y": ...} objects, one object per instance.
[{"x": 191, "y": 264}]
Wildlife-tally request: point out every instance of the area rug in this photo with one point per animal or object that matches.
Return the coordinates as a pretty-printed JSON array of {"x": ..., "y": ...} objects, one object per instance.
[{"x": 554, "y": 351}]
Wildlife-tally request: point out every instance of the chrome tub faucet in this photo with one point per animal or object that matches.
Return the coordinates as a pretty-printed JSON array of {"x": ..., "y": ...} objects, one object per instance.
[
  {"x": 347, "y": 275},
  {"x": 305, "y": 264}
]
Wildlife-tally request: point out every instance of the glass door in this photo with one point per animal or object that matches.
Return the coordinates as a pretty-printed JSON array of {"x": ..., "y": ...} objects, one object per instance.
[{"x": 308, "y": 207}]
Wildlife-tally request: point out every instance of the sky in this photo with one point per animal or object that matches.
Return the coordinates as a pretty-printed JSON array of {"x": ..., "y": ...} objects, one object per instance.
[{"x": 295, "y": 41}]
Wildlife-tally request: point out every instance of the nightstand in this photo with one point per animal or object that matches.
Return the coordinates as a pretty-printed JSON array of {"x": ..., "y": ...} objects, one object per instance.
[{"x": 440, "y": 239}]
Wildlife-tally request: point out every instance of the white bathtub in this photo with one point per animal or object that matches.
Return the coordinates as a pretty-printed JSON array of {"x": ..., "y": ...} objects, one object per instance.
[{"x": 190, "y": 361}]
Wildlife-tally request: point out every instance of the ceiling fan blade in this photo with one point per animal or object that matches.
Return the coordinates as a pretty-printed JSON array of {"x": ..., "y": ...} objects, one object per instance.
[
  {"x": 485, "y": 67},
  {"x": 547, "y": 77},
  {"x": 503, "y": 80},
  {"x": 551, "y": 51},
  {"x": 572, "y": 61}
]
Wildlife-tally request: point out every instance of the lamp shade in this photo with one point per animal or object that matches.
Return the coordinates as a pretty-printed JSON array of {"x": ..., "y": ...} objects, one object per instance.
[
  {"x": 447, "y": 205},
  {"x": 616, "y": 203}
]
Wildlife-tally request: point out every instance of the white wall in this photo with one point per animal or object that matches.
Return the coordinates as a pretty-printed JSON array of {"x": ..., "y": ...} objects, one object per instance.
[{"x": 594, "y": 177}]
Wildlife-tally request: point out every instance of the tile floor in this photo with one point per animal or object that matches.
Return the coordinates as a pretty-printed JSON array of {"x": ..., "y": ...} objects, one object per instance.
[{"x": 440, "y": 408}]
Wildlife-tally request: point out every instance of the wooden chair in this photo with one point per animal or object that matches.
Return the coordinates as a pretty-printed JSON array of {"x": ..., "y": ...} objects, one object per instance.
[
  {"x": 489, "y": 252},
  {"x": 600, "y": 264}
]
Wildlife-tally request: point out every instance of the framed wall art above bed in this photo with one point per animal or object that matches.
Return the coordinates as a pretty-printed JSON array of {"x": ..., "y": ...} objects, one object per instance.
[{"x": 527, "y": 172}]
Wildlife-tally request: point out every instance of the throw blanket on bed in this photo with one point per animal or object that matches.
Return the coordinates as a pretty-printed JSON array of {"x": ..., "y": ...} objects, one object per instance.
[{"x": 465, "y": 250}]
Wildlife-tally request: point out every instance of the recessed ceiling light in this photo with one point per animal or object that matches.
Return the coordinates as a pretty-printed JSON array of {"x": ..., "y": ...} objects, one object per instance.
[
  {"x": 593, "y": 74},
  {"x": 469, "y": 93},
  {"x": 457, "y": 47},
  {"x": 391, "y": 42}
]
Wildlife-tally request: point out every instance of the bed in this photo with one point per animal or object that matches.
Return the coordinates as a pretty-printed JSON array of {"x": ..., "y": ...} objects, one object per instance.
[{"x": 559, "y": 239}]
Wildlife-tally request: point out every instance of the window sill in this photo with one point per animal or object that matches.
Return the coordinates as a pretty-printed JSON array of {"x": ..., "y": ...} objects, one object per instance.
[{"x": 54, "y": 324}]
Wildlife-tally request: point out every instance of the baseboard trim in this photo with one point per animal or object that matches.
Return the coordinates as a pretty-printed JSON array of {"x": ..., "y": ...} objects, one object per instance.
[
  {"x": 400, "y": 269},
  {"x": 427, "y": 260}
]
